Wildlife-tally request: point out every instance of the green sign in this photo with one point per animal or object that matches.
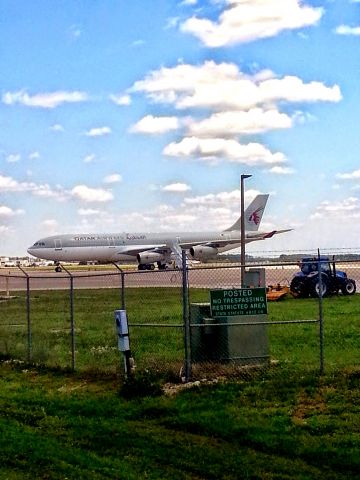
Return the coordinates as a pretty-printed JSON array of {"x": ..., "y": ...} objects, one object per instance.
[{"x": 238, "y": 301}]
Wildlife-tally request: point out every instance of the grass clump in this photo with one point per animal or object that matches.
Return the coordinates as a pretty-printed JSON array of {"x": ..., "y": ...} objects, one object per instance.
[{"x": 141, "y": 384}]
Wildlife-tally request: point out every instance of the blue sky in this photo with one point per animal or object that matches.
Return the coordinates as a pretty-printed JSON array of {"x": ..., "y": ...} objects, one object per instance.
[{"x": 142, "y": 115}]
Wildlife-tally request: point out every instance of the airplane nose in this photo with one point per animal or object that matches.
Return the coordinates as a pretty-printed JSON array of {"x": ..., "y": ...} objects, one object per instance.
[{"x": 30, "y": 251}]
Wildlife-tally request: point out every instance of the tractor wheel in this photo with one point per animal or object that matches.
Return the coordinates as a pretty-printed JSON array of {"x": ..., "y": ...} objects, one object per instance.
[
  {"x": 315, "y": 287},
  {"x": 298, "y": 288},
  {"x": 349, "y": 287}
]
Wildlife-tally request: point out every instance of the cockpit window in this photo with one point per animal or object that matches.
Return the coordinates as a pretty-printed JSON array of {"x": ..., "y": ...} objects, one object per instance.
[{"x": 39, "y": 244}]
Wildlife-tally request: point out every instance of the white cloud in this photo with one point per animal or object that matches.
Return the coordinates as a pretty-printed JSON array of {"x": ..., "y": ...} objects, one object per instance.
[
  {"x": 155, "y": 125},
  {"x": 34, "y": 156},
  {"x": 89, "y": 158},
  {"x": 98, "y": 132},
  {"x": 57, "y": 128},
  {"x": 280, "y": 170},
  {"x": 50, "y": 224},
  {"x": 75, "y": 32},
  {"x": 89, "y": 212},
  {"x": 212, "y": 149},
  {"x": 189, "y": 2},
  {"x": 355, "y": 175},
  {"x": 224, "y": 87},
  {"x": 113, "y": 178},
  {"x": 138, "y": 43},
  {"x": 7, "y": 212},
  {"x": 221, "y": 199},
  {"x": 13, "y": 158},
  {"x": 8, "y": 184},
  {"x": 347, "y": 30},
  {"x": 176, "y": 187},
  {"x": 344, "y": 210},
  {"x": 248, "y": 20},
  {"x": 43, "y": 100},
  {"x": 217, "y": 210},
  {"x": 46, "y": 191},
  {"x": 232, "y": 123},
  {"x": 4, "y": 229},
  {"x": 236, "y": 103},
  {"x": 87, "y": 194},
  {"x": 172, "y": 22},
  {"x": 57, "y": 192},
  {"x": 121, "y": 100},
  {"x": 293, "y": 89},
  {"x": 214, "y": 211}
]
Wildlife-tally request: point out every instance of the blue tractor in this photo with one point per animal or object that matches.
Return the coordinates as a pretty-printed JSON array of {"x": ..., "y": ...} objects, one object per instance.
[{"x": 307, "y": 282}]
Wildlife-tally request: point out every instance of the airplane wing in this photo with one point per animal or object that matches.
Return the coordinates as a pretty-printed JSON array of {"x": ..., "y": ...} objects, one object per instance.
[
  {"x": 175, "y": 248},
  {"x": 135, "y": 249}
]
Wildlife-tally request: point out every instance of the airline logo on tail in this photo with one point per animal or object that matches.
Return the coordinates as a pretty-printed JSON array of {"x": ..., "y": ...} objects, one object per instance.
[{"x": 255, "y": 217}]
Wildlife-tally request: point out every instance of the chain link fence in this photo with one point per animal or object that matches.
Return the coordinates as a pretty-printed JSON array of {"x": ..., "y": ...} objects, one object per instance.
[{"x": 67, "y": 320}]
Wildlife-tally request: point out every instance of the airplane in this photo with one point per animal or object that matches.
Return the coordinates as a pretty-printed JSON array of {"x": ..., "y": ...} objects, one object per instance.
[{"x": 151, "y": 248}]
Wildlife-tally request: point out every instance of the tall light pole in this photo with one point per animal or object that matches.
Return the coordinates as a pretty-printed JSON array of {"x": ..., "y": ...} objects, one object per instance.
[{"x": 242, "y": 232}]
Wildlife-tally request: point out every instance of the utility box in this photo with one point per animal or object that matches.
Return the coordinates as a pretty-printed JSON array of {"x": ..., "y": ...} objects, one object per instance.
[
  {"x": 247, "y": 341},
  {"x": 230, "y": 336},
  {"x": 254, "y": 278},
  {"x": 202, "y": 334}
]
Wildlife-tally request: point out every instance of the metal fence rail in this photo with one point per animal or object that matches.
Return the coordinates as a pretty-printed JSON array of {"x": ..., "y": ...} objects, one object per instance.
[{"x": 67, "y": 320}]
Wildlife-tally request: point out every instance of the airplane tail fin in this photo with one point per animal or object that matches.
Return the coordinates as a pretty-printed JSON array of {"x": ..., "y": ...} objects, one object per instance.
[{"x": 253, "y": 214}]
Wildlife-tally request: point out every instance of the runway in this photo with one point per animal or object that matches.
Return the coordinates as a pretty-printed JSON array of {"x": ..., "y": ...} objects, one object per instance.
[{"x": 203, "y": 277}]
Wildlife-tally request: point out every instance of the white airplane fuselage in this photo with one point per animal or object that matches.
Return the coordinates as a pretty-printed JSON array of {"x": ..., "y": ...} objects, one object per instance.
[{"x": 113, "y": 247}]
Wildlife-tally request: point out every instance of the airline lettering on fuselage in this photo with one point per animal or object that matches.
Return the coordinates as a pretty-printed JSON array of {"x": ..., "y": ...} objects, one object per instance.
[
  {"x": 135, "y": 237},
  {"x": 106, "y": 237},
  {"x": 80, "y": 239}
]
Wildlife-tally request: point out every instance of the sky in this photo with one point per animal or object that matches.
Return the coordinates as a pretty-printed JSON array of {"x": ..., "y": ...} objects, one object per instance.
[{"x": 129, "y": 116}]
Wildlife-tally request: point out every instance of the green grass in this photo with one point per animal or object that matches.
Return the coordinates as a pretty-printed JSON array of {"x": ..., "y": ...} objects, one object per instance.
[
  {"x": 283, "y": 422},
  {"x": 56, "y": 426},
  {"x": 160, "y": 348}
]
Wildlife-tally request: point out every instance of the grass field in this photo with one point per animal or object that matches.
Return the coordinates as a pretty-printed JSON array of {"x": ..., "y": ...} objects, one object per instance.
[
  {"x": 76, "y": 426},
  {"x": 285, "y": 422},
  {"x": 161, "y": 347}
]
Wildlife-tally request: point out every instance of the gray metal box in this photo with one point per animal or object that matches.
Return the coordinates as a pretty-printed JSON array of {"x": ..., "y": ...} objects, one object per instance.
[{"x": 227, "y": 339}]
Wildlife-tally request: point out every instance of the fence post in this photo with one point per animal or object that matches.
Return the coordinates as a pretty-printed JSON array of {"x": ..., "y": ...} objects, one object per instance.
[
  {"x": 72, "y": 320},
  {"x": 7, "y": 286},
  {"x": 186, "y": 319},
  {"x": 122, "y": 273},
  {"x": 321, "y": 319},
  {"x": 28, "y": 320}
]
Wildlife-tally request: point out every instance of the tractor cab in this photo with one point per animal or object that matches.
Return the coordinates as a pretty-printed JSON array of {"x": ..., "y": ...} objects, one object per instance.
[{"x": 311, "y": 264}]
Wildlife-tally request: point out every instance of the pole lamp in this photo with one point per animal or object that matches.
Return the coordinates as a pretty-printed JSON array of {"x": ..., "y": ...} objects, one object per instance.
[{"x": 242, "y": 226}]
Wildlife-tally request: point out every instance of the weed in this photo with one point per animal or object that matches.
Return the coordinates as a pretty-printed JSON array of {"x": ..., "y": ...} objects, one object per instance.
[{"x": 141, "y": 384}]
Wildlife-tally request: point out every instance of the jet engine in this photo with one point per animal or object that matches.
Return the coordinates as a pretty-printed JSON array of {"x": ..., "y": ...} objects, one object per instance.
[
  {"x": 149, "y": 257},
  {"x": 203, "y": 252}
]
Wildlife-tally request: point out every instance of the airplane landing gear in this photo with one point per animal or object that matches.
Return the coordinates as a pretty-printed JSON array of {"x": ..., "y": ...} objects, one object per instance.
[
  {"x": 146, "y": 266},
  {"x": 161, "y": 266},
  {"x": 58, "y": 268}
]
